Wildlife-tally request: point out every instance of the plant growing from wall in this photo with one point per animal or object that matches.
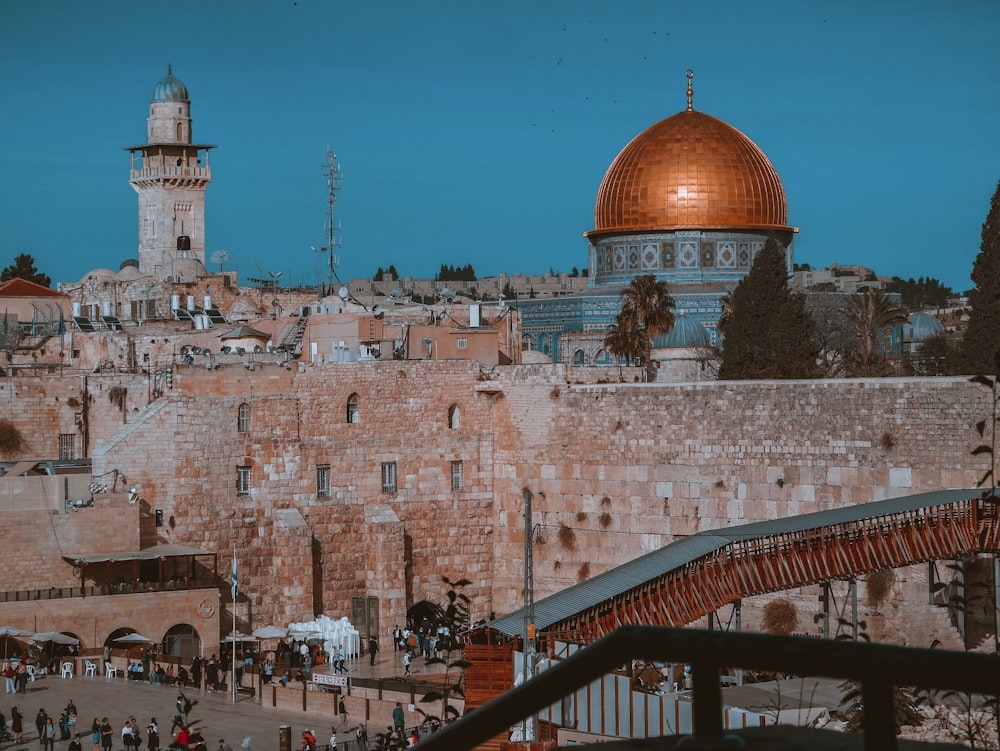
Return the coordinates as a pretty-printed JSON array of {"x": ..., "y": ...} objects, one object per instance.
[
  {"x": 12, "y": 441},
  {"x": 567, "y": 537},
  {"x": 780, "y": 616}
]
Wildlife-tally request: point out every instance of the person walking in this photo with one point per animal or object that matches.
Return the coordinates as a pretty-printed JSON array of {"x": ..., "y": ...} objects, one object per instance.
[
  {"x": 48, "y": 736},
  {"x": 107, "y": 734},
  {"x": 406, "y": 663},
  {"x": 342, "y": 710},
  {"x": 16, "y": 724},
  {"x": 372, "y": 649},
  {"x": 398, "y": 720},
  {"x": 152, "y": 736},
  {"x": 40, "y": 720}
]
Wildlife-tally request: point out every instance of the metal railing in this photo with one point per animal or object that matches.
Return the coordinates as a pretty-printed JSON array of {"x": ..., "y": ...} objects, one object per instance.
[
  {"x": 98, "y": 590},
  {"x": 877, "y": 667}
]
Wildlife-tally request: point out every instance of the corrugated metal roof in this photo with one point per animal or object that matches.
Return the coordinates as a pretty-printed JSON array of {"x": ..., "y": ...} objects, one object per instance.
[
  {"x": 621, "y": 579},
  {"x": 149, "y": 554}
]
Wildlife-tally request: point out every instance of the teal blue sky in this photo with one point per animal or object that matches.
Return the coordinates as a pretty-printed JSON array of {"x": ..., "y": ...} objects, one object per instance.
[{"x": 478, "y": 132}]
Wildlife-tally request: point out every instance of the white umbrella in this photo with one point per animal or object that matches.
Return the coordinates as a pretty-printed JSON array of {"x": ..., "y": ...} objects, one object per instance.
[
  {"x": 302, "y": 634},
  {"x": 8, "y": 631},
  {"x": 136, "y": 638},
  {"x": 236, "y": 636},
  {"x": 55, "y": 637},
  {"x": 270, "y": 632}
]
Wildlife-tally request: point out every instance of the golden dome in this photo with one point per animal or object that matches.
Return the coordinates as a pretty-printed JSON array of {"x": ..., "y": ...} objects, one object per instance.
[{"x": 690, "y": 171}]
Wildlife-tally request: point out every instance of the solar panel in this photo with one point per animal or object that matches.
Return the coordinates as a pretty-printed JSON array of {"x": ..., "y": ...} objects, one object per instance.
[
  {"x": 182, "y": 315},
  {"x": 113, "y": 323},
  {"x": 215, "y": 315},
  {"x": 84, "y": 324}
]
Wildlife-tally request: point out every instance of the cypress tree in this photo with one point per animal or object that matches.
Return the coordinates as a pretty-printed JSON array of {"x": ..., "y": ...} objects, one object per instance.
[
  {"x": 769, "y": 333},
  {"x": 981, "y": 343}
]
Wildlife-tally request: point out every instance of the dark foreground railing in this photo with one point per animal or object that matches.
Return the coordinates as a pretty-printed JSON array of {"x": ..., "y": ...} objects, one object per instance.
[{"x": 877, "y": 667}]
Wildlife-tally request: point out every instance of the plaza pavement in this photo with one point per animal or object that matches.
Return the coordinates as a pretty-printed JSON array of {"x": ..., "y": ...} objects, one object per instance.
[{"x": 215, "y": 714}]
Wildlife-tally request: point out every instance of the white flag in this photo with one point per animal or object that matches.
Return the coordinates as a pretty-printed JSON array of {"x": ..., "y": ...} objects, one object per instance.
[{"x": 236, "y": 586}]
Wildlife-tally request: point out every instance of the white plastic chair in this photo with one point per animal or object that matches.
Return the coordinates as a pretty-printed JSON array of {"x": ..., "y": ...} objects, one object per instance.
[
  {"x": 90, "y": 667},
  {"x": 66, "y": 670},
  {"x": 31, "y": 672},
  {"x": 110, "y": 671}
]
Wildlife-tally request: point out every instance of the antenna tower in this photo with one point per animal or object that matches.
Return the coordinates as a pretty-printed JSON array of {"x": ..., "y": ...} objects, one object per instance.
[{"x": 334, "y": 180}]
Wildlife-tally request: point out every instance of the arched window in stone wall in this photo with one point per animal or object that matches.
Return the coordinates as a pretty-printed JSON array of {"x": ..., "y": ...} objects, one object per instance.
[
  {"x": 579, "y": 358},
  {"x": 603, "y": 357},
  {"x": 454, "y": 416},
  {"x": 354, "y": 409},
  {"x": 527, "y": 343},
  {"x": 243, "y": 418},
  {"x": 180, "y": 132}
]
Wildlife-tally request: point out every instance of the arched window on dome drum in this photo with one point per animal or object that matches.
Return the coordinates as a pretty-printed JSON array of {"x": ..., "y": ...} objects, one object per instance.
[
  {"x": 243, "y": 418},
  {"x": 527, "y": 343},
  {"x": 354, "y": 409},
  {"x": 180, "y": 131},
  {"x": 454, "y": 416},
  {"x": 579, "y": 358}
]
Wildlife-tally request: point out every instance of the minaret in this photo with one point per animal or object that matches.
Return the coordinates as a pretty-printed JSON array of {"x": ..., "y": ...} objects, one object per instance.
[{"x": 170, "y": 174}]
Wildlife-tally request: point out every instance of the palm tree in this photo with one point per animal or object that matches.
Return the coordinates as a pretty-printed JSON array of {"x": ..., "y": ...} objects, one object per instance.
[
  {"x": 646, "y": 312},
  {"x": 874, "y": 314}
]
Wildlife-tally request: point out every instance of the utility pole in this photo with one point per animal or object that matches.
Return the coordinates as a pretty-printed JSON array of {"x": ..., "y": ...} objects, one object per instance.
[{"x": 530, "y": 636}]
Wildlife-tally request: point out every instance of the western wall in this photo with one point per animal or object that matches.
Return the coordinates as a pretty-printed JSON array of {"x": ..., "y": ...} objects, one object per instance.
[{"x": 615, "y": 469}]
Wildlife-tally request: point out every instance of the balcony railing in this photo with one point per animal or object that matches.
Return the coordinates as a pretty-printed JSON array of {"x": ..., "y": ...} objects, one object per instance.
[
  {"x": 154, "y": 173},
  {"x": 98, "y": 590},
  {"x": 877, "y": 667}
]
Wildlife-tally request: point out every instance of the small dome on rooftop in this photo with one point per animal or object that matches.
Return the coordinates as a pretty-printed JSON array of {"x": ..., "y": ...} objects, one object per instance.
[
  {"x": 921, "y": 326},
  {"x": 170, "y": 89},
  {"x": 686, "y": 333}
]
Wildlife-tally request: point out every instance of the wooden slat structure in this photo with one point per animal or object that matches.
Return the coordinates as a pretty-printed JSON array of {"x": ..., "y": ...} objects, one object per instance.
[{"x": 775, "y": 562}]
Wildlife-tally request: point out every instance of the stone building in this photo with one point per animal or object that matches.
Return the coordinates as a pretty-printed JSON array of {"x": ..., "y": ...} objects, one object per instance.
[
  {"x": 690, "y": 200},
  {"x": 352, "y": 486}
]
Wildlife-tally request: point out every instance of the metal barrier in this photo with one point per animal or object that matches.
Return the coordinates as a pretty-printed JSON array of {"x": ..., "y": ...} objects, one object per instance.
[{"x": 877, "y": 667}]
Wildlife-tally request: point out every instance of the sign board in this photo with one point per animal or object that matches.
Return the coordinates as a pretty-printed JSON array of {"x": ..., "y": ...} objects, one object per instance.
[{"x": 325, "y": 679}]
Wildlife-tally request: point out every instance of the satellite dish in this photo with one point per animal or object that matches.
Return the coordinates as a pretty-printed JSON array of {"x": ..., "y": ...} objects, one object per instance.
[
  {"x": 377, "y": 310},
  {"x": 395, "y": 294},
  {"x": 219, "y": 257},
  {"x": 342, "y": 293}
]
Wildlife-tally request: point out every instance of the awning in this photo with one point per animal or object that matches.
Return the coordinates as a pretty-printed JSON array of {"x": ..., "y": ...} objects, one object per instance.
[{"x": 149, "y": 554}]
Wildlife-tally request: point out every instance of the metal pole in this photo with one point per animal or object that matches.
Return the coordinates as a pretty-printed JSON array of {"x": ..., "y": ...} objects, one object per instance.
[{"x": 530, "y": 643}]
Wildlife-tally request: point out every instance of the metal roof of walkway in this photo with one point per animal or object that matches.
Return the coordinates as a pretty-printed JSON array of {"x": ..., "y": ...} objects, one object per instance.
[{"x": 695, "y": 576}]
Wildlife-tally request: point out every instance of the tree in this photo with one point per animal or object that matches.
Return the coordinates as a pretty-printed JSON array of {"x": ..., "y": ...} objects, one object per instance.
[
  {"x": 981, "y": 344},
  {"x": 24, "y": 268},
  {"x": 379, "y": 274},
  {"x": 874, "y": 315},
  {"x": 647, "y": 310},
  {"x": 769, "y": 334},
  {"x": 925, "y": 292}
]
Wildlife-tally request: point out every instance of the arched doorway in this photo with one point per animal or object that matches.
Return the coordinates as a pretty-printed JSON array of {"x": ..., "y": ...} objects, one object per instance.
[{"x": 182, "y": 640}]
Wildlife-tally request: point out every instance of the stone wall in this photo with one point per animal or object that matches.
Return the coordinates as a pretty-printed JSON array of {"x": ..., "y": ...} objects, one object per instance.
[{"x": 616, "y": 470}]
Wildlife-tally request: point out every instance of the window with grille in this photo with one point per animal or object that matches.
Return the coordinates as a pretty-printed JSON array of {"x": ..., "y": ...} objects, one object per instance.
[
  {"x": 67, "y": 445},
  {"x": 388, "y": 477},
  {"x": 462, "y": 343},
  {"x": 243, "y": 418},
  {"x": 323, "y": 481},
  {"x": 243, "y": 478},
  {"x": 456, "y": 475}
]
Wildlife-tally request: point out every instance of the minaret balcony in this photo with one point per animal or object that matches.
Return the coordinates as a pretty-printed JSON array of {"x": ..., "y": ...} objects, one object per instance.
[{"x": 159, "y": 173}]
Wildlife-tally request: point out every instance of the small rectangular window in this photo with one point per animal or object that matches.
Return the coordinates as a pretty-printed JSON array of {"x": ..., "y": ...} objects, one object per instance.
[
  {"x": 462, "y": 343},
  {"x": 456, "y": 475},
  {"x": 243, "y": 478},
  {"x": 67, "y": 445},
  {"x": 323, "y": 481},
  {"x": 388, "y": 477}
]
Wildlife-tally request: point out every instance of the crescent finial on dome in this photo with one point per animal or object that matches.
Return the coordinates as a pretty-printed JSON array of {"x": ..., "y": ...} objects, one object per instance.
[{"x": 690, "y": 76}]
